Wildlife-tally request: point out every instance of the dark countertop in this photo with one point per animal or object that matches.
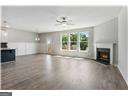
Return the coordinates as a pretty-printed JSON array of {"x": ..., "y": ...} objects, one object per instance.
[{"x": 7, "y": 49}]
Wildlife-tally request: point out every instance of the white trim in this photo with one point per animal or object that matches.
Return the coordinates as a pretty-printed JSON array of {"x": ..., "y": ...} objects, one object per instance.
[
  {"x": 69, "y": 42},
  {"x": 105, "y": 45}
]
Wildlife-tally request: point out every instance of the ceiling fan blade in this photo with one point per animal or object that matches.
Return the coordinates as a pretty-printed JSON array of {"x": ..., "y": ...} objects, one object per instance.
[{"x": 58, "y": 21}]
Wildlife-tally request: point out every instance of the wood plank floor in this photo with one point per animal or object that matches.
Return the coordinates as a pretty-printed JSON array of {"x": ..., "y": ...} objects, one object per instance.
[{"x": 41, "y": 71}]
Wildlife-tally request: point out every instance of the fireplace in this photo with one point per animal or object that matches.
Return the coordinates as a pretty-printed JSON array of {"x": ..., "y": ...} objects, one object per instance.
[{"x": 103, "y": 55}]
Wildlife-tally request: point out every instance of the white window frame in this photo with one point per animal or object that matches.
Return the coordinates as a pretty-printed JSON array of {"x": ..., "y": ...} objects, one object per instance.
[
  {"x": 70, "y": 41},
  {"x": 62, "y": 43},
  {"x": 85, "y": 41},
  {"x": 78, "y": 43}
]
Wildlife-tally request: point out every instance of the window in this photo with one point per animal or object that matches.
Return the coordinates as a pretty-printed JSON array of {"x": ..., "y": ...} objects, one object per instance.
[
  {"x": 65, "y": 41},
  {"x": 75, "y": 41},
  {"x": 83, "y": 40}
]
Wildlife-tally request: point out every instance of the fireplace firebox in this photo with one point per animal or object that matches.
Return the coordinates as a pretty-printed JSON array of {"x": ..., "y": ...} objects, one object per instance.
[{"x": 103, "y": 55}]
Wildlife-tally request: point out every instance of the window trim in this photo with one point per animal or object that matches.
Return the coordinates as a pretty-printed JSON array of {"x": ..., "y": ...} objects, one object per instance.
[{"x": 78, "y": 43}]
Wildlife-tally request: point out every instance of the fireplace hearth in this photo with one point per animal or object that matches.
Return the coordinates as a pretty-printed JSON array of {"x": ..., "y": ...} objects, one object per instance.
[{"x": 103, "y": 55}]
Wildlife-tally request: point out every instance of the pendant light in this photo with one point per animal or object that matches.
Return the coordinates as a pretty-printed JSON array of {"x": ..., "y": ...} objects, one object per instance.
[
  {"x": 3, "y": 28},
  {"x": 37, "y": 36},
  {"x": 5, "y": 25}
]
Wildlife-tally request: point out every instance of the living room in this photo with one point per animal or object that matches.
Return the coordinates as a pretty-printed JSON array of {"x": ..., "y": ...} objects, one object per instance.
[{"x": 64, "y": 47}]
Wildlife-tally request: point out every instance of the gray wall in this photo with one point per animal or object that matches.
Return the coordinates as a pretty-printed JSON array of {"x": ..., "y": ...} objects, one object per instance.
[
  {"x": 105, "y": 32},
  {"x": 123, "y": 42},
  {"x": 15, "y": 35},
  {"x": 55, "y": 43},
  {"x": 108, "y": 33},
  {"x": 23, "y": 41}
]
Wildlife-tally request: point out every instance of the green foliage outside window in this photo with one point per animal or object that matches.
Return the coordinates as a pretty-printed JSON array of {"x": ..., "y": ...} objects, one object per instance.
[
  {"x": 73, "y": 37},
  {"x": 83, "y": 45},
  {"x": 65, "y": 42},
  {"x": 73, "y": 41},
  {"x": 83, "y": 41}
]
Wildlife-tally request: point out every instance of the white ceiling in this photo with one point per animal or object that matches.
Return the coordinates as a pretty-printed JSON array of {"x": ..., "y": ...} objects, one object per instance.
[{"x": 43, "y": 18}]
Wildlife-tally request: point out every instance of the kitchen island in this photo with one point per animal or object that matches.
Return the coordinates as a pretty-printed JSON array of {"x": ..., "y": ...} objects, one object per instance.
[{"x": 7, "y": 55}]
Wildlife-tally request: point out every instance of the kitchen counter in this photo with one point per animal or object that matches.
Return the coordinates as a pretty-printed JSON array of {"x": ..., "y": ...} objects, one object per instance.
[
  {"x": 7, "y": 49},
  {"x": 7, "y": 55}
]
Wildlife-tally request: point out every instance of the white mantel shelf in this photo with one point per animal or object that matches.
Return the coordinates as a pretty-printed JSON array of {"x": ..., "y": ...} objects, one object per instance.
[{"x": 106, "y": 42}]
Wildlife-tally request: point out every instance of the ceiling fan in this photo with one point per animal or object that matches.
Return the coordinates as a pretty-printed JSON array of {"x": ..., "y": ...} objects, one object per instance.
[{"x": 63, "y": 20}]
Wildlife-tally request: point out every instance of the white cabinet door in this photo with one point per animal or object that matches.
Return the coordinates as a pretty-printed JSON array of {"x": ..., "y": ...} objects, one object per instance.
[{"x": 25, "y": 48}]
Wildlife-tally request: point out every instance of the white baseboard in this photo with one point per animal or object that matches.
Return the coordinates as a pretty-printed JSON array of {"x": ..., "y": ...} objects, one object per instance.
[{"x": 123, "y": 75}]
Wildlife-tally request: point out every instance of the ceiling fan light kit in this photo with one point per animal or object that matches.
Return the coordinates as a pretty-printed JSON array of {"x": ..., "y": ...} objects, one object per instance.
[{"x": 64, "y": 21}]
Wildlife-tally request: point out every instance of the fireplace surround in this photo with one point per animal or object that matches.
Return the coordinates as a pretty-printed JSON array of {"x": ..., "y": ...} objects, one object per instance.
[
  {"x": 106, "y": 45},
  {"x": 103, "y": 55}
]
